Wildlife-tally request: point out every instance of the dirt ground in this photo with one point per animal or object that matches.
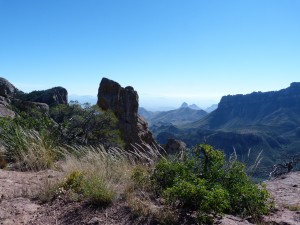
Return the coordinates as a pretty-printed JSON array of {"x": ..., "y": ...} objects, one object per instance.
[{"x": 17, "y": 204}]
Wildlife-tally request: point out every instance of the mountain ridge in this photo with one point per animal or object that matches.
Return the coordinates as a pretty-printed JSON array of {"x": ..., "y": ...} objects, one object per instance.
[{"x": 268, "y": 121}]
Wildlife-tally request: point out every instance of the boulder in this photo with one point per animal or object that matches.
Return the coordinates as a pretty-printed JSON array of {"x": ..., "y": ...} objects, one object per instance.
[
  {"x": 175, "y": 147},
  {"x": 7, "y": 90},
  {"x": 5, "y": 110},
  {"x": 124, "y": 103}
]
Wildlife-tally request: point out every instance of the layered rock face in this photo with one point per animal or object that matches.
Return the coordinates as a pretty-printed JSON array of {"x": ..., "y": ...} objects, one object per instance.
[
  {"x": 285, "y": 98},
  {"x": 124, "y": 103},
  {"x": 264, "y": 108}
]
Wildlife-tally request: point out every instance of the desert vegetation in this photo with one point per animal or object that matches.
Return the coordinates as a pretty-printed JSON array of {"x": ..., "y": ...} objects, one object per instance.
[{"x": 84, "y": 143}]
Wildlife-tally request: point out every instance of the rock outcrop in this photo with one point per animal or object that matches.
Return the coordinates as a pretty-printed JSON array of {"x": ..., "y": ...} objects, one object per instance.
[
  {"x": 7, "y": 89},
  {"x": 51, "y": 97},
  {"x": 5, "y": 110},
  {"x": 39, "y": 100},
  {"x": 124, "y": 103}
]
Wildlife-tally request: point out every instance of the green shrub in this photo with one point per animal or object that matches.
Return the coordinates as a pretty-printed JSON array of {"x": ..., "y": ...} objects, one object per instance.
[
  {"x": 207, "y": 183},
  {"x": 74, "y": 182},
  {"x": 91, "y": 187},
  {"x": 97, "y": 191},
  {"x": 141, "y": 177}
]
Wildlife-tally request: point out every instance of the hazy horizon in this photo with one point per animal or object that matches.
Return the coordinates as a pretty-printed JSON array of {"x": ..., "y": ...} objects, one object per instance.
[
  {"x": 170, "y": 51},
  {"x": 151, "y": 104}
]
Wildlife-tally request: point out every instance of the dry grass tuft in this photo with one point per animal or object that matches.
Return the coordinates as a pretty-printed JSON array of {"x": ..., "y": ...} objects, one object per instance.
[
  {"x": 106, "y": 173},
  {"x": 29, "y": 150}
]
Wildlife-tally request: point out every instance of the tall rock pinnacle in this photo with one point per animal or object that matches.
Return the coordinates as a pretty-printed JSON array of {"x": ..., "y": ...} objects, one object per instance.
[{"x": 124, "y": 103}]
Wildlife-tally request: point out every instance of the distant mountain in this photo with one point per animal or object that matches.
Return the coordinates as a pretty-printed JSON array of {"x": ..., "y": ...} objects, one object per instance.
[
  {"x": 184, "y": 105},
  {"x": 211, "y": 108},
  {"x": 83, "y": 99},
  {"x": 267, "y": 121},
  {"x": 179, "y": 116},
  {"x": 148, "y": 115},
  {"x": 193, "y": 106},
  {"x": 270, "y": 111}
]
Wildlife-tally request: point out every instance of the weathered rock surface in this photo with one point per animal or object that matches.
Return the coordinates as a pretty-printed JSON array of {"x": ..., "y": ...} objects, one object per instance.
[
  {"x": 5, "y": 112},
  {"x": 124, "y": 103},
  {"x": 286, "y": 193},
  {"x": 16, "y": 189},
  {"x": 6, "y": 88}
]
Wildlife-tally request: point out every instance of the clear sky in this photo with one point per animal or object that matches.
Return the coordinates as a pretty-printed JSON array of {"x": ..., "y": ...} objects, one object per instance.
[{"x": 170, "y": 51}]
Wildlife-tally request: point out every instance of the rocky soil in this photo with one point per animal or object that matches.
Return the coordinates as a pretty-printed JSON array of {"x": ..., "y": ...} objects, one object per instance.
[{"x": 18, "y": 205}]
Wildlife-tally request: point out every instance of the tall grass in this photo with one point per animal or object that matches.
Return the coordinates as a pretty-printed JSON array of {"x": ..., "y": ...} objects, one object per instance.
[
  {"x": 105, "y": 173},
  {"x": 28, "y": 149}
]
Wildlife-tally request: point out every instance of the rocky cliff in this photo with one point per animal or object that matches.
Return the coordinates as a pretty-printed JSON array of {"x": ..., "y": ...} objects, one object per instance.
[
  {"x": 124, "y": 103},
  {"x": 285, "y": 98},
  {"x": 265, "y": 109}
]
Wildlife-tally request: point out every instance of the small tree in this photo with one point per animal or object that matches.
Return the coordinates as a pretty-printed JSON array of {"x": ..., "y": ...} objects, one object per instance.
[{"x": 86, "y": 124}]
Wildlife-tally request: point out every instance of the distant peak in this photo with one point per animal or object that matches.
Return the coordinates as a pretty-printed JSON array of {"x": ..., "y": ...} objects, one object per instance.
[
  {"x": 184, "y": 105},
  {"x": 193, "y": 106}
]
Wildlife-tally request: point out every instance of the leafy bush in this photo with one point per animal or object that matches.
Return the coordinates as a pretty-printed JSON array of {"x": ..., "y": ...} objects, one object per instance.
[{"x": 206, "y": 182}]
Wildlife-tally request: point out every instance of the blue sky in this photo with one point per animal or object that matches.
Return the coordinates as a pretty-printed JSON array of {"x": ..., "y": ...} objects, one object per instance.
[{"x": 170, "y": 51}]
